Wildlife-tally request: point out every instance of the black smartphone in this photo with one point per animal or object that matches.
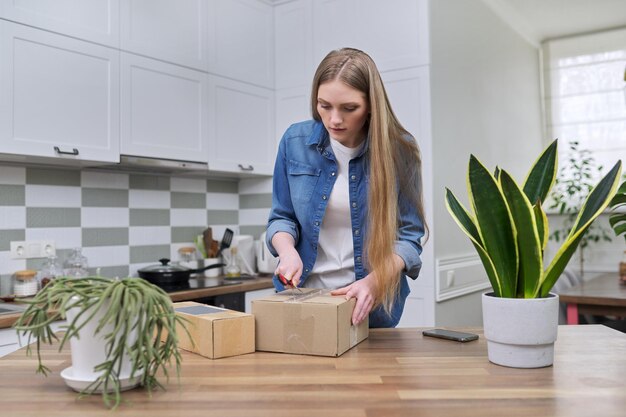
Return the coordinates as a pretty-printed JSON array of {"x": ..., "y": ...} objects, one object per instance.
[{"x": 450, "y": 335}]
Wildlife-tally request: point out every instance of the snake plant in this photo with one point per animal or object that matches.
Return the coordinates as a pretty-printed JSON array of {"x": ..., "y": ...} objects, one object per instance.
[
  {"x": 509, "y": 227},
  {"x": 134, "y": 305}
]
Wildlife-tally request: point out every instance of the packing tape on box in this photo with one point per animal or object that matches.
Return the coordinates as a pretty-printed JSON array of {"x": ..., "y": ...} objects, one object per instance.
[{"x": 294, "y": 339}]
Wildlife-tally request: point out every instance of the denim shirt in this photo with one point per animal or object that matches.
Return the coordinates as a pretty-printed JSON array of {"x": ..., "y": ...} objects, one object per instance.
[{"x": 304, "y": 175}]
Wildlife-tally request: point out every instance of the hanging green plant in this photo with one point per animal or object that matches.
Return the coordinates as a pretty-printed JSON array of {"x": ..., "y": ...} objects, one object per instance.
[{"x": 138, "y": 322}]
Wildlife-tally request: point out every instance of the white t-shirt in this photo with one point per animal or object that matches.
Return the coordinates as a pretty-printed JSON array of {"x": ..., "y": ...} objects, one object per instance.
[{"x": 334, "y": 265}]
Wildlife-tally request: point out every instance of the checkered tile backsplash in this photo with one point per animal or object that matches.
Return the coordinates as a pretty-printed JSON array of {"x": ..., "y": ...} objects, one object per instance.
[{"x": 122, "y": 221}]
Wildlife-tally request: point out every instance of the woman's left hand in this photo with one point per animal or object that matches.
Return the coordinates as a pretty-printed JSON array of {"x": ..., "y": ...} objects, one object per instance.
[{"x": 364, "y": 290}]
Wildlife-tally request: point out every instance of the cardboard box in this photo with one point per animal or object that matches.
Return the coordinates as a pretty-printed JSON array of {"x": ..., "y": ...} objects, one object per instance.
[
  {"x": 310, "y": 322},
  {"x": 216, "y": 332}
]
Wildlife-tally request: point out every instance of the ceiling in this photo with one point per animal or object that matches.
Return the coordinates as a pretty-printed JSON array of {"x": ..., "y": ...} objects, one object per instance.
[{"x": 540, "y": 20}]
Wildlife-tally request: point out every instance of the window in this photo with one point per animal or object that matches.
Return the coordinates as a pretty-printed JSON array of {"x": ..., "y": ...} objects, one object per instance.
[{"x": 586, "y": 94}]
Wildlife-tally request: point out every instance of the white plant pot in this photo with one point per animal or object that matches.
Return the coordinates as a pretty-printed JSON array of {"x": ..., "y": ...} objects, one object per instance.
[
  {"x": 88, "y": 351},
  {"x": 520, "y": 332}
]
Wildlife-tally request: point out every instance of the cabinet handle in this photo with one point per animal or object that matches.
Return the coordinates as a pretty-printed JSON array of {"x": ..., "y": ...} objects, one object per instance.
[
  {"x": 248, "y": 168},
  {"x": 60, "y": 152}
]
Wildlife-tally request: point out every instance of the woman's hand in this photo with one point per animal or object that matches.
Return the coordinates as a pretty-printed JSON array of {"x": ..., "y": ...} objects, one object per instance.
[
  {"x": 364, "y": 290},
  {"x": 290, "y": 266}
]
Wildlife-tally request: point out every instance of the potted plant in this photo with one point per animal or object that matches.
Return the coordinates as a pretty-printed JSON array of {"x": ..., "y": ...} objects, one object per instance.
[
  {"x": 509, "y": 229},
  {"x": 121, "y": 332}
]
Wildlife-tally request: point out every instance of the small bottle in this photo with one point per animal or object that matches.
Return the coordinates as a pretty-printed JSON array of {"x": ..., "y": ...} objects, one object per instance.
[
  {"x": 232, "y": 269},
  {"x": 622, "y": 269},
  {"x": 26, "y": 284}
]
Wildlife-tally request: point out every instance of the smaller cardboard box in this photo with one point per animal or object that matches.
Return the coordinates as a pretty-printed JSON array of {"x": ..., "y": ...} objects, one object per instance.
[
  {"x": 310, "y": 322},
  {"x": 216, "y": 332}
]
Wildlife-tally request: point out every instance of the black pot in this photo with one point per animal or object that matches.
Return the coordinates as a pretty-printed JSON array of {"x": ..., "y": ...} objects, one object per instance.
[{"x": 171, "y": 275}]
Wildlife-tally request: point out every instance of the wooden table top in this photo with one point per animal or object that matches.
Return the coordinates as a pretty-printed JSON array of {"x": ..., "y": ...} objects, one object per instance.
[
  {"x": 395, "y": 372},
  {"x": 603, "y": 290}
]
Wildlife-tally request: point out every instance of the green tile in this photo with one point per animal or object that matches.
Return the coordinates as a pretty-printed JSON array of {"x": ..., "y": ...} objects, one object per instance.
[
  {"x": 222, "y": 217},
  {"x": 149, "y": 182},
  {"x": 188, "y": 200},
  {"x": 44, "y": 176},
  {"x": 121, "y": 271},
  {"x": 104, "y": 197},
  {"x": 7, "y": 236},
  {"x": 12, "y": 195},
  {"x": 52, "y": 217},
  {"x": 109, "y": 236},
  {"x": 254, "y": 201},
  {"x": 252, "y": 230},
  {"x": 6, "y": 285},
  {"x": 186, "y": 234},
  {"x": 151, "y": 253},
  {"x": 217, "y": 186},
  {"x": 149, "y": 217},
  {"x": 37, "y": 263}
]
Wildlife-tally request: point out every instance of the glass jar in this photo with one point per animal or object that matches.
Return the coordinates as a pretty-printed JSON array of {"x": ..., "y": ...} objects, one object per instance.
[
  {"x": 187, "y": 257},
  {"x": 25, "y": 284},
  {"x": 76, "y": 264},
  {"x": 50, "y": 270}
]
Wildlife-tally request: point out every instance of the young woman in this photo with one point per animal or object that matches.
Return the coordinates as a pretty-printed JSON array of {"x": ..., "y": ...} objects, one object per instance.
[{"x": 347, "y": 210}]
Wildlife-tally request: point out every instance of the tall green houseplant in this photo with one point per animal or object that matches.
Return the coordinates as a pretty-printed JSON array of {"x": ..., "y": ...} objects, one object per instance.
[{"x": 509, "y": 227}]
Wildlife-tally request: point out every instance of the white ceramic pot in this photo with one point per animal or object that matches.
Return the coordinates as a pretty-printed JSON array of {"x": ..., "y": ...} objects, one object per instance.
[
  {"x": 520, "y": 332},
  {"x": 88, "y": 351}
]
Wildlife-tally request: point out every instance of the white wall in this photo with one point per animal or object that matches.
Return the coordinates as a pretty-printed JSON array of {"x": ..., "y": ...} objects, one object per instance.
[{"x": 486, "y": 100}]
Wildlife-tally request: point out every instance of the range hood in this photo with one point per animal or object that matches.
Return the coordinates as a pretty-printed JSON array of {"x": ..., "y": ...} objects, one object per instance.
[{"x": 129, "y": 163}]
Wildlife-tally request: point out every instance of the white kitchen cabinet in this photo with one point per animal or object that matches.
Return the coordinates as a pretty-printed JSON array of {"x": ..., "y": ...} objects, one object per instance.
[
  {"x": 164, "y": 110},
  {"x": 174, "y": 31},
  {"x": 92, "y": 20},
  {"x": 292, "y": 105},
  {"x": 394, "y": 34},
  {"x": 293, "y": 28},
  {"x": 241, "y": 127},
  {"x": 59, "y": 97},
  {"x": 241, "y": 41}
]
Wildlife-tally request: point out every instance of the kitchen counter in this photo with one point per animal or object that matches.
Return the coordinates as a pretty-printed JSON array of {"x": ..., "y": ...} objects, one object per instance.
[
  {"x": 395, "y": 372},
  {"x": 210, "y": 287}
]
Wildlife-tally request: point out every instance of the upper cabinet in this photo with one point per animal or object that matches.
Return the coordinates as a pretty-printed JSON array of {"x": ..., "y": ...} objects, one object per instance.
[
  {"x": 293, "y": 30},
  {"x": 241, "y": 127},
  {"x": 173, "y": 31},
  {"x": 241, "y": 41},
  {"x": 164, "y": 110},
  {"x": 93, "y": 20},
  {"x": 59, "y": 97},
  {"x": 393, "y": 33}
]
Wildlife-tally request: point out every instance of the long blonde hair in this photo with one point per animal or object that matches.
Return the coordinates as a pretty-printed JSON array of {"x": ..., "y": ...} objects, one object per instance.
[{"x": 394, "y": 160}]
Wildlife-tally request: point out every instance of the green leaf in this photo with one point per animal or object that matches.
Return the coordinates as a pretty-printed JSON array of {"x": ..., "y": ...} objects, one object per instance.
[
  {"x": 593, "y": 206},
  {"x": 616, "y": 218},
  {"x": 542, "y": 175},
  {"x": 494, "y": 225},
  {"x": 542, "y": 225},
  {"x": 618, "y": 200},
  {"x": 467, "y": 225},
  {"x": 619, "y": 229},
  {"x": 599, "y": 198},
  {"x": 528, "y": 241}
]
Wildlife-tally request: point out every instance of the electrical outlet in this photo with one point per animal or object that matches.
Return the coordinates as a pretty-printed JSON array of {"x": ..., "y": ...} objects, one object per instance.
[{"x": 32, "y": 249}]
